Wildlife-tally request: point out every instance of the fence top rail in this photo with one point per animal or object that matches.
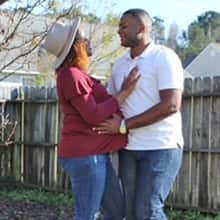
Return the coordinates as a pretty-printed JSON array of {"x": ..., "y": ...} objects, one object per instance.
[
  {"x": 33, "y": 101},
  {"x": 201, "y": 94}
]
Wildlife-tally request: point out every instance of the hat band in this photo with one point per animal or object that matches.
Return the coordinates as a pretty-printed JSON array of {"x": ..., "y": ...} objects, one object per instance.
[{"x": 64, "y": 46}]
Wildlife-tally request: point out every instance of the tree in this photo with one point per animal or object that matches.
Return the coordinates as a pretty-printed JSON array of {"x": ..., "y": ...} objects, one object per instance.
[
  {"x": 202, "y": 31},
  {"x": 173, "y": 36},
  {"x": 19, "y": 41},
  {"x": 198, "y": 41},
  {"x": 18, "y": 38},
  {"x": 209, "y": 21},
  {"x": 112, "y": 19},
  {"x": 158, "y": 30}
]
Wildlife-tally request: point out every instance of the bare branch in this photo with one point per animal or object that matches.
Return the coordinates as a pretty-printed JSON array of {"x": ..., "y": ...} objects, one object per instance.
[
  {"x": 16, "y": 58},
  {"x": 21, "y": 32}
]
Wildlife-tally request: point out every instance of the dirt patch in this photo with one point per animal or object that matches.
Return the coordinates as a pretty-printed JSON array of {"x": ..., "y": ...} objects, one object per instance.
[{"x": 21, "y": 210}]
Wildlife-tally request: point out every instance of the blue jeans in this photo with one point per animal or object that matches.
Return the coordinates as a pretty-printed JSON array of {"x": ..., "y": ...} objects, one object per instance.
[
  {"x": 87, "y": 175},
  {"x": 113, "y": 200},
  {"x": 147, "y": 178},
  {"x": 94, "y": 184}
]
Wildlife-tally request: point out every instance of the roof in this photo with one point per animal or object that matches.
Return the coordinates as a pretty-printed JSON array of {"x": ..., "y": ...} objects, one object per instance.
[
  {"x": 207, "y": 63},
  {"x": 187, "y": 74}
]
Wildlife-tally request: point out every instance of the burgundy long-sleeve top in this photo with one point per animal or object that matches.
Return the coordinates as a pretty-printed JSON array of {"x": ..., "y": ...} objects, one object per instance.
[{"x": 85, "y": 103}]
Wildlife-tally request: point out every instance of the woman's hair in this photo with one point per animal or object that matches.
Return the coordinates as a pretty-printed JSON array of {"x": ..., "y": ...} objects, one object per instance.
[{"x": 78, "y": 55}]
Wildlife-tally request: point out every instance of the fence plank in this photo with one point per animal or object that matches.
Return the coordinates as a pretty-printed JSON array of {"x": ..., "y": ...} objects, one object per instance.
[
  {"x": 215, "y": 143},
  {"x": 52, "y": 136},
  {"x": 204, "y": 168},
  {"x": 196, "y": 141},
  {"x": 181, "y": 192}
]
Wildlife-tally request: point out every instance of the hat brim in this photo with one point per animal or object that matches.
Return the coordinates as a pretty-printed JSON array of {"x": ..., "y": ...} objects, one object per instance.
[{"x": 69, "y": 43}]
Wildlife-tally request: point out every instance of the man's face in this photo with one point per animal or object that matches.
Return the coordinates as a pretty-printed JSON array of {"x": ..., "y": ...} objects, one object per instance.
[{"x": 129, "y": 27}]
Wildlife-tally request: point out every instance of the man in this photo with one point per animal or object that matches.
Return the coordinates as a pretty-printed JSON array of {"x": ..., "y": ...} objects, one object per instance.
[{"x": 149, "y": 164}]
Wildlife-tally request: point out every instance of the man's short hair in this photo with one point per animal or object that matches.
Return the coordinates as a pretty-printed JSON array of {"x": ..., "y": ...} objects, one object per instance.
[{"x": 142, "y": 15}]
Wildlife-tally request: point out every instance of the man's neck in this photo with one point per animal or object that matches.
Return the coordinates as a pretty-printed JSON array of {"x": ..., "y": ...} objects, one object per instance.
[{"x": 138, "y": 50}]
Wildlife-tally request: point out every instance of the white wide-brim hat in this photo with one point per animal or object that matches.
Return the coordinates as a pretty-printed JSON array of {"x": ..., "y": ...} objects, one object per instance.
[{"x": 59, "y": 40}]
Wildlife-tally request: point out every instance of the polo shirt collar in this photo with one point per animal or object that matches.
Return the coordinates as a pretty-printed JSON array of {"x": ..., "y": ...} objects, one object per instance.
[{"x": 143, "y": 54}]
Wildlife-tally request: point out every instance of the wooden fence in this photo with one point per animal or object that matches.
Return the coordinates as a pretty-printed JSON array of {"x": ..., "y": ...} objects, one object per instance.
[
  {"x": 198, "y": 185},
  {"x": 32, "y": 158}
]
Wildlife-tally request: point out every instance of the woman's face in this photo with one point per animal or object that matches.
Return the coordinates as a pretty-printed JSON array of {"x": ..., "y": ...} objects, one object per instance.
[
  {"x": 87, "y": 42},
  {"x": 88, "y": 47}
]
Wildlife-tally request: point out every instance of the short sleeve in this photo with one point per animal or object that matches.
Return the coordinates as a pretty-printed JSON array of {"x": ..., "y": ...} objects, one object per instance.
[{"x": 169, "y": 70}]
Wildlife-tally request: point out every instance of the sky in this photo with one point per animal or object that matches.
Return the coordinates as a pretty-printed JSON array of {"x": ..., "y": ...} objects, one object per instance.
[{"x": 181, "y": 12}]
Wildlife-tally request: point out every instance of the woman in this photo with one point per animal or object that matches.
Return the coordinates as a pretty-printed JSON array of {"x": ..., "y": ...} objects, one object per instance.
[{"x": 84, "y": 103}]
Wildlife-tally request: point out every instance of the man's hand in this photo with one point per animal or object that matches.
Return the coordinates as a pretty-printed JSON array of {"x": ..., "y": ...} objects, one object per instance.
[{"x": 110, "y": 126}]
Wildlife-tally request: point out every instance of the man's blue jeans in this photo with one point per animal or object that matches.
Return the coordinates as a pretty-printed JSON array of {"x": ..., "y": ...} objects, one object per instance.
[
  {"x": 87, "y": 175},
  {"x": 147, "y": 178}
]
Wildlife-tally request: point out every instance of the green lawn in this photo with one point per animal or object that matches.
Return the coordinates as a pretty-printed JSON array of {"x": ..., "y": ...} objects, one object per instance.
[
  {"x": 190, "y": 215},
  {"x": 51, "y": 198},
  {"x": 65, "y": 199}
]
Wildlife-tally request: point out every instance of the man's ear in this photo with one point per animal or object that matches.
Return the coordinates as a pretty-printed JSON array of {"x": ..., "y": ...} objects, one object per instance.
[{"x": 142, "y": 28}]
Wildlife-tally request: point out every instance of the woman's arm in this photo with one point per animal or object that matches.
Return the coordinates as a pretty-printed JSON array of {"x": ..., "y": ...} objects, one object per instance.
[{"x": 95, "y": 113}]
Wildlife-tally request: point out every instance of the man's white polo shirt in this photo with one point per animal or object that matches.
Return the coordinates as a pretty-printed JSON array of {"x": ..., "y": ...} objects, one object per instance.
[{"x": 160, "y": 69}]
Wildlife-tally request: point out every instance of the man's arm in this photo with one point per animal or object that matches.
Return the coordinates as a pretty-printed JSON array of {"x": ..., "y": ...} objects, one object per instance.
[{"x": 170, "y": 102}]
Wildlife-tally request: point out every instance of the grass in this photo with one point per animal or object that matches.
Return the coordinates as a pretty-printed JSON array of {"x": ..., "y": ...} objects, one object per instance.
[
  {"x": 190, "y": 215},
  {"x": 50, "y": 198},
  {"x": 65, "y": 199}
]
